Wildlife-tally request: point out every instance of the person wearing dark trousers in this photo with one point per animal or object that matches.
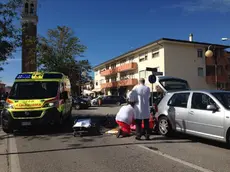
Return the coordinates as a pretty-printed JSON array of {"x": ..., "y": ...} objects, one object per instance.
[
  {"x": 139, "y": 131},
  {"x": 142, "y": 109}
]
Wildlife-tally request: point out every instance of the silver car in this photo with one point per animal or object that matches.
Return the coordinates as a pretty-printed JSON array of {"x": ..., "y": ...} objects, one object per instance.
[{"x": 201, "y": 113}]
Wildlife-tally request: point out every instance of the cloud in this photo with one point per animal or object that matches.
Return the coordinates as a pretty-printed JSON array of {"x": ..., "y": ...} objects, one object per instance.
[{"x": 221, "y": 6}]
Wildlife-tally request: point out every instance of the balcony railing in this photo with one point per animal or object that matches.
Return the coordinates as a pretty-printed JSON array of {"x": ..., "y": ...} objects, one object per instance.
[
  {"x": 127, "y": 82},
  {"x": 122, "y": 68},
  {"x": 127, "y": 67},
  {"x": 109, "y": 72},
  {"x": 220, "y": 78}
]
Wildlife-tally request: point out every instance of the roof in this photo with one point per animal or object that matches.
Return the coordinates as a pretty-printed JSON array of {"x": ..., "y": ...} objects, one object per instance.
[{"x": 157, "y": 42}]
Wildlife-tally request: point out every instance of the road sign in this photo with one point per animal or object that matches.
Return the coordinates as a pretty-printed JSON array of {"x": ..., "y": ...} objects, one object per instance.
[
  {"x": 152, "y": 79},
  {"x": 157, "y": 73},
  {"x": 151, "y": 69}
]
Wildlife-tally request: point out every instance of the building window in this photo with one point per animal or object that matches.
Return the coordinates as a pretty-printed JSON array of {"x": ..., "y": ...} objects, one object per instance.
[
  {"x": 107, "y": 67},
  {"x": 155, "y": 54},
  {"x": 31, "y": 8},
  {"x": 113, "y": 79},
  {"x": 200, "y": 71},
  {"x": 131, "y": 59},
  {"x": 143, "y": 57},
  {"x": 113, "y": 66},
  {"x": 96, "y": 83},
  {"x": 142, "y": 74},
  {"x": 26, "y": 8},
  {"x": 123, "y": 62},
  {"x": 220, "y": 70},
  {"x": 200, "y": 53},
  {"x": 210, "y": 70}
]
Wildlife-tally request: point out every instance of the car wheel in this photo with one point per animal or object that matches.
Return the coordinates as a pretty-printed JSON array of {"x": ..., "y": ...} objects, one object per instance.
[
  {"x": 77, "y": 107},
  {"x": 118, "y": 103},
  {"x": 164, "y": 127},
  {"x": 228, "y": 140}
]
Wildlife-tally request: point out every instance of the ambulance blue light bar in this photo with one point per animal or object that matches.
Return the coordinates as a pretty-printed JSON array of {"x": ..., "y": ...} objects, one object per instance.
[
  {"x": 52, "y": 76},
  {"x": 24, "y": 76}
]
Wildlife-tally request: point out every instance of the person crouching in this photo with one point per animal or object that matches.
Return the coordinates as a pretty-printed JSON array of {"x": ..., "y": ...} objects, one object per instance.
[{"x": 125, "y": 116}]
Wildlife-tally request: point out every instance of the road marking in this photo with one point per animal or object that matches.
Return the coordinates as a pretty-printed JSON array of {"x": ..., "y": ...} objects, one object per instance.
[
  {"x": 196, "y": 167},
  {"x": 14, "y": 164}
]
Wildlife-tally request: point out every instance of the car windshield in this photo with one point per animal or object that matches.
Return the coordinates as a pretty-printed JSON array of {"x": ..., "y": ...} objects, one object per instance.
[
  {"x": 33, "y": 90},
  {"x": 174, "y": 84},
  {"x": 224, "y": 98}
]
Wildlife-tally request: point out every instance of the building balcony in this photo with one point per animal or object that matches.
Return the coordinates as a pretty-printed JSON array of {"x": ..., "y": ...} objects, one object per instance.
[
  {"x": 127, "y": 67},
  {"x": 109, "y": 85},
  {"x": 109, "y": 72},
  {"x": 122, "y": 83},
  {"x": 220, "y": 78},
  {"x": 122, "y": 68},
  {"x": 127, "y": 82}
]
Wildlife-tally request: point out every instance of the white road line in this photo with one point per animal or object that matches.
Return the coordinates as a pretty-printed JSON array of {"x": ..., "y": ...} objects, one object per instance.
[
  {"x": 196, "y": 167},
  {"x": 14, "y": 164}
]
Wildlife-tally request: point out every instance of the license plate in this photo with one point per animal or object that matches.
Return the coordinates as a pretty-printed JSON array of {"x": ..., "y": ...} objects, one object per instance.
[{"x": 26, "y": 123}]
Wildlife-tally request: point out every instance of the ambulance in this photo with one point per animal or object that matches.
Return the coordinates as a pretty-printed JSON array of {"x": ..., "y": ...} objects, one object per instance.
[{"x": 37, "y": 99}]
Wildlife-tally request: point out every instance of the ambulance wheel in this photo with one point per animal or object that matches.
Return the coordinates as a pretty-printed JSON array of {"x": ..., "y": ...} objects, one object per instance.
[
  {"x": 6, "y": 125},
  {"x": 77, "y": 107}
]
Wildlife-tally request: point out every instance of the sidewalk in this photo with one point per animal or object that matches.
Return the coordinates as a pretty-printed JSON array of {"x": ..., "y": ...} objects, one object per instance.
[{"x": 3, "y": 152}]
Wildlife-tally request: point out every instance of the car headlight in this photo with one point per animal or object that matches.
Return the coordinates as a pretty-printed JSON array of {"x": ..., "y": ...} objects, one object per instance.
[
  {"x": 50, "y": 104},
  {"x": 83, "y": 102},
  {"x": 8, "y": 106}
]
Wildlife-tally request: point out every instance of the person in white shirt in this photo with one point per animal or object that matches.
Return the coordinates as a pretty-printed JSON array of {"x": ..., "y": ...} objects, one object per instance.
[
  {"x": 125, "y": 116},
  {"x": 142, "y": 110}
]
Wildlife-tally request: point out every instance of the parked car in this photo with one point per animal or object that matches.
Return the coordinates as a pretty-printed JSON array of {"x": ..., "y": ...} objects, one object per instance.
[
  {"x": 79, "y": 103},
  {"x": 88, "y": 99},
  {"x": 201, "y": 113},
  {"x": 116, "y": 100}
]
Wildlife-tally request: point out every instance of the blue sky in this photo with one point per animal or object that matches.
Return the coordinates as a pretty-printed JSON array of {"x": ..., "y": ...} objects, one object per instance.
[{"x": 112, "y": 27}]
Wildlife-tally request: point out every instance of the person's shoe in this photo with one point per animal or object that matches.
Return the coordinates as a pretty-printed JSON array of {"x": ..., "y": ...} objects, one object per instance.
[
  {"x": 138, "y": 138},
  {"x": 119, "y": 133},
  {"x": 147, "y": 137}
]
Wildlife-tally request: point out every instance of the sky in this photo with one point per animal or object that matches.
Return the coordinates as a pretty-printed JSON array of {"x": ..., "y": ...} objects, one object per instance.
[{"x": 110, "y": 28}]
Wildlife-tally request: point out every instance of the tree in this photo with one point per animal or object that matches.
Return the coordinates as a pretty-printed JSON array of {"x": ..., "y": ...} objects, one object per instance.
[
  {"x": 10, "y": 35},
  {"x": 59, "y": 51}
]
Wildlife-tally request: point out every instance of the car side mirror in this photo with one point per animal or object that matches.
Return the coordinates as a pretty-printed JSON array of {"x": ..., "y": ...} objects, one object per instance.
[
  {"x": 64, "y": 95},
  {"x": 212, "y": 108}
]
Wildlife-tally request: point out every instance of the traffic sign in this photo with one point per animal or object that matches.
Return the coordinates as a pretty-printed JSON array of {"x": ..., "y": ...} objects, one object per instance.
[{"x": 152, "y": 79}]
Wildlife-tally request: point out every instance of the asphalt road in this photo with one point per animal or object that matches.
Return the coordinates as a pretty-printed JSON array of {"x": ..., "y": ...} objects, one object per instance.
[{"x": 59, "y": 151}]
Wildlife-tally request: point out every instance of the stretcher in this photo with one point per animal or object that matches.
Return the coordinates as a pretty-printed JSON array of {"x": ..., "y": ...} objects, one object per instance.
[{"x": 84, "y": 126}]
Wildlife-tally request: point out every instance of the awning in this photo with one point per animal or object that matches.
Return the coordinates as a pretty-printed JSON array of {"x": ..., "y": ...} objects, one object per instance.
[{"x": 96, "y": 90}]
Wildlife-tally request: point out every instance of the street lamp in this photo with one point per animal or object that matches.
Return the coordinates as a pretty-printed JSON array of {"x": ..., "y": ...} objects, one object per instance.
[{"x": 209, "y": 54}]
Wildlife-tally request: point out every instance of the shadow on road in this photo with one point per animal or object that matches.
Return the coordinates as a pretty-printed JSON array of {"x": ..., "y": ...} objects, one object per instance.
[
  {"x": 103, "y": 122},
  {"x": 79, "y": 147}
]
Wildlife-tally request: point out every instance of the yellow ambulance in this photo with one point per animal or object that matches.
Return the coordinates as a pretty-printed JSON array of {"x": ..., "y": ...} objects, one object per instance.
[{"x": 35, "y": 99}]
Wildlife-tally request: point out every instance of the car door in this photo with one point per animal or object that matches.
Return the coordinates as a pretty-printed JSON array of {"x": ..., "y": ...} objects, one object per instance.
[
  {"x": 107, "y": 100},
  {"x": 178, "y": 111},
  {"x": 204, "y": 122}
]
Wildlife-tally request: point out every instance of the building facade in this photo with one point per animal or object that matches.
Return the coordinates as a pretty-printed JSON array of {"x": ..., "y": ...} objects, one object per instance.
[
  {"x": 29, "y": 35},
  {"x": 177, "y": 58}
]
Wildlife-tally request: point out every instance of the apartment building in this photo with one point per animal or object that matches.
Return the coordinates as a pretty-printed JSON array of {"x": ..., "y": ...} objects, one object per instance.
[{"x": 178, "y": 58}]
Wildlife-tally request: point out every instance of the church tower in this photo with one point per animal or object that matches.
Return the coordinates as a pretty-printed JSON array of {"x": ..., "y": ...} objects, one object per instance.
[{"x": 29, "y": 35}]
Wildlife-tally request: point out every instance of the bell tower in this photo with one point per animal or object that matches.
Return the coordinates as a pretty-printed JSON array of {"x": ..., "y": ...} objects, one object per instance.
[{"x": 29, "y": 20}]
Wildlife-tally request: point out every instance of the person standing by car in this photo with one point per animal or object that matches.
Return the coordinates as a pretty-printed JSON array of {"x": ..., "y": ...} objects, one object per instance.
[{"x": 142, "y": 111}]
